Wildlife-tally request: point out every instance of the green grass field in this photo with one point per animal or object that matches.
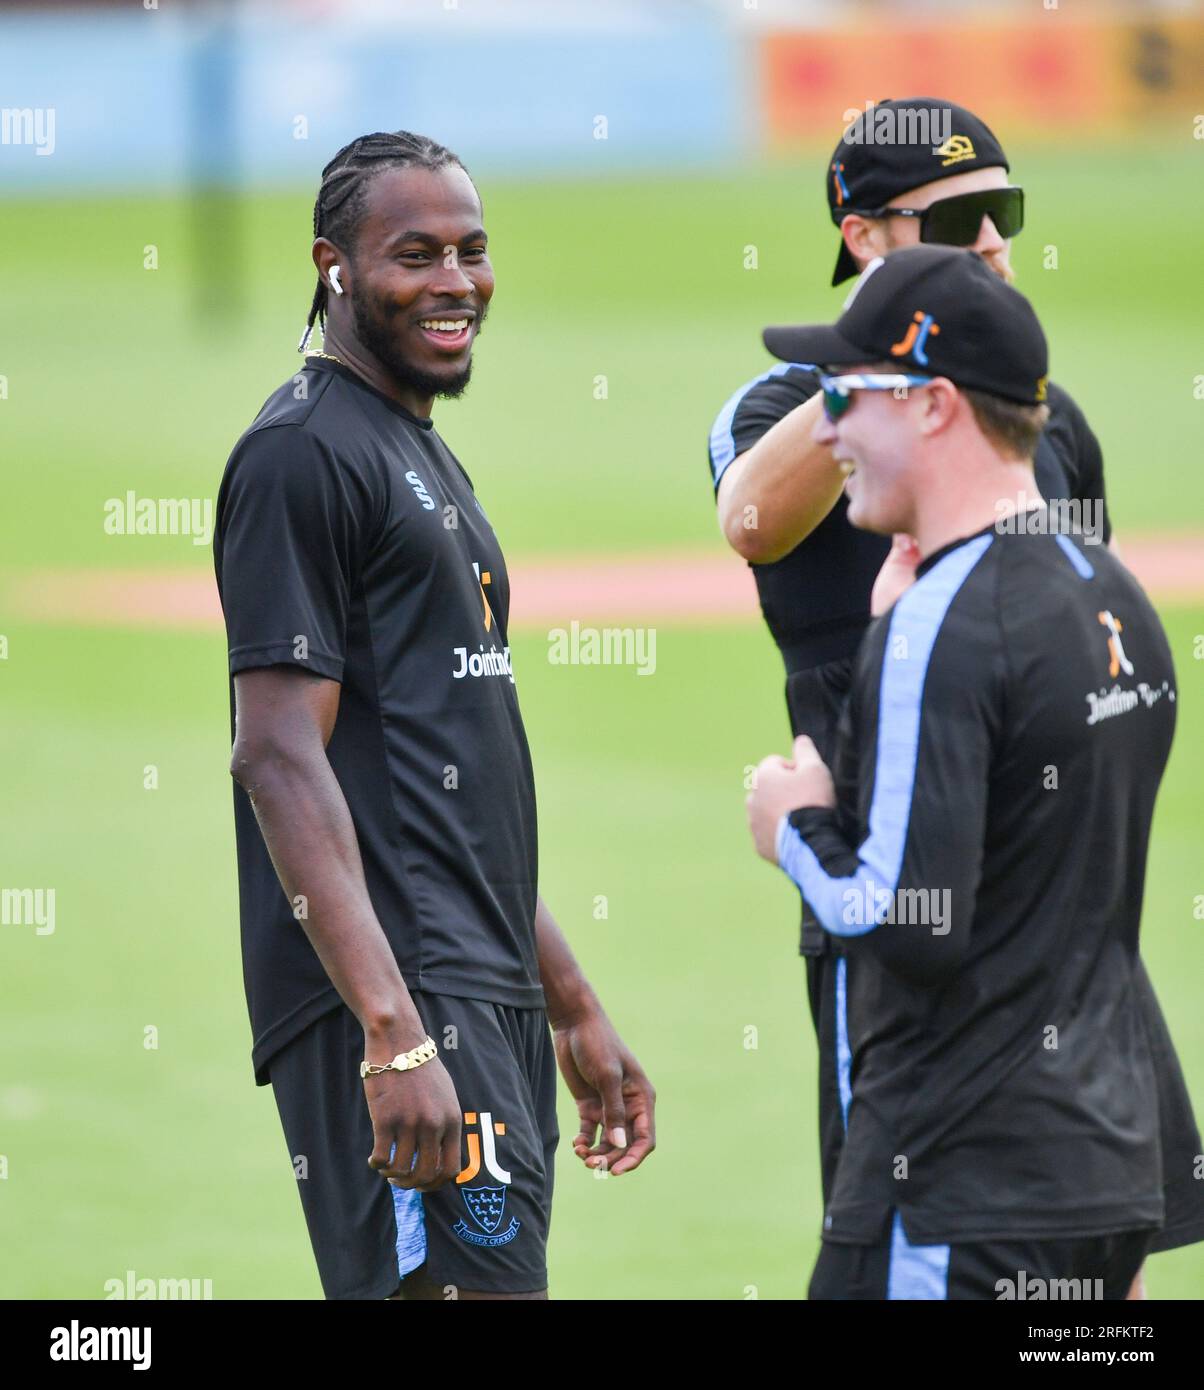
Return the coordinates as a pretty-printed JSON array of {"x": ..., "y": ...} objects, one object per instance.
[{"x": 168, "y": 1161}]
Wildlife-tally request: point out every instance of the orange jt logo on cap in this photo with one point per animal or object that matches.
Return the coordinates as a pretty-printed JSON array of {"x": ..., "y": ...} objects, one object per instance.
[
  {"x": 918, "y": 329},
  {"x": 842, "y": 188}
]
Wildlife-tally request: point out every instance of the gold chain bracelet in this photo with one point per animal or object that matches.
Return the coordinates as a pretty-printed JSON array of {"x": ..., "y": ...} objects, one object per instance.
[{"x": 404, "y": 1061}]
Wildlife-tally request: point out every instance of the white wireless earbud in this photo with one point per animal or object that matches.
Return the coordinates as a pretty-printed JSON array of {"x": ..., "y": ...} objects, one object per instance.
[{"x": 334, "y": 280}]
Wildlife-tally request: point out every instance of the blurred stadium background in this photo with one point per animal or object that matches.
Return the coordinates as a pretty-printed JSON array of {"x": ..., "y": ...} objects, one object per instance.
[{"x": 156, "y": 231}]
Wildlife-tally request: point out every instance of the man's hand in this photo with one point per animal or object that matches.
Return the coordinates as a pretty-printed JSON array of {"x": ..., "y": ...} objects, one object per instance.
[
  {"x": 418, "y": 1112},
  {"x": 607, "y": 1083},
  {"x": 610, "y": 1089},
  {"x": 898, "y": 573},
  {"x": 781, "y": 786}
]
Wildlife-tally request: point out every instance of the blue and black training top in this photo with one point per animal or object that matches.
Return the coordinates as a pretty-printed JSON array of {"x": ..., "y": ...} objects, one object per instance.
[{"x": 997, "y": 762}]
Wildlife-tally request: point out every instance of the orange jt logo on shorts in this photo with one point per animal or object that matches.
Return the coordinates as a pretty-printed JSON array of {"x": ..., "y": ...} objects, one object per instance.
[{"x": 482, "y": 1150}]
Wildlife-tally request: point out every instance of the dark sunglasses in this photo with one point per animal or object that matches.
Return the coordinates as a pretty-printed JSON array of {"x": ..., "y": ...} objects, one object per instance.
[
  {"x": 838, "y": 390},
  {"x": 956, "y": 221}
]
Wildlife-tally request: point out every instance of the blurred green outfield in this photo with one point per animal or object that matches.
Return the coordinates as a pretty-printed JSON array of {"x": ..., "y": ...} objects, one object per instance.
[{"x": 170, "y": 1162}]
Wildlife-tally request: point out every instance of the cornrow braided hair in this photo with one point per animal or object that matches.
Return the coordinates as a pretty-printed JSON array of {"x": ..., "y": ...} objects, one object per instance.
[{"x": 340, "y": 201}]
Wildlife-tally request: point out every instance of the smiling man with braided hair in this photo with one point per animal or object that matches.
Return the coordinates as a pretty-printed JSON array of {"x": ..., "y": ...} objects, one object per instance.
[{"x": 402, "y": 984}]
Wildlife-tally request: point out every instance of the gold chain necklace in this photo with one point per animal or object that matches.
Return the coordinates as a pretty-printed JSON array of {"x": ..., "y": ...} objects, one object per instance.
[{"x": 330, "y": 357}]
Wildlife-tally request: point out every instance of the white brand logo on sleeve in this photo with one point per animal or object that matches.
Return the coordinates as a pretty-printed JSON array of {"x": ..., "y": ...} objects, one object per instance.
[{"x": 428, "y": 502}]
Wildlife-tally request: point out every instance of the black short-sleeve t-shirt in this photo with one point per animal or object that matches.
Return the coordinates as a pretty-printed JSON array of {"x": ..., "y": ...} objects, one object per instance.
[{"x": 350, "y": 544}]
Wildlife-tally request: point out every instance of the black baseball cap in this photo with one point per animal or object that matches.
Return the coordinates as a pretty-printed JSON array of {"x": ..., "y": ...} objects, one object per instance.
[
  {"x": 899, "y": 145},
  {"x": 935, "y": 310}
]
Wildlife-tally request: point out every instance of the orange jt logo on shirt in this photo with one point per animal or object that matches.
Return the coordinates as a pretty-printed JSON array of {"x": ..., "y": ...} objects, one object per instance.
[
  {"x": 482, "y": 580},
  {"x": 1118, "y": 661}
]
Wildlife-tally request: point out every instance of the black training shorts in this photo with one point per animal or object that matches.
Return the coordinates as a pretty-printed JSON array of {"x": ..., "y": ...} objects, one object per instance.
[
  {"x": 485, "y": 1232},
  {"x": 1095, "y": 1267}
]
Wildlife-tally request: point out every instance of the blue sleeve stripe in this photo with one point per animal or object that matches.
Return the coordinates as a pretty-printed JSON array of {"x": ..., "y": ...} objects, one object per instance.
[
  {"x": 723, "y": 444},
  {"x": 844, "y": 1053},
  {"x": 856, "y": 904},
  {"x": 1083, "y": 566}
]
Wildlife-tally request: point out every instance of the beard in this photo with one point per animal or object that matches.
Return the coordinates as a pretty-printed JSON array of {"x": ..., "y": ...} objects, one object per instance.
[
  {"x": 999, "y": 263},
  {"x": 375, "y": 328}
]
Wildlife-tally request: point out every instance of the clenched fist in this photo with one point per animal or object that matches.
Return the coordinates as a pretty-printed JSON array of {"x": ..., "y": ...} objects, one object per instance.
[{"x": 783, "y": 785}]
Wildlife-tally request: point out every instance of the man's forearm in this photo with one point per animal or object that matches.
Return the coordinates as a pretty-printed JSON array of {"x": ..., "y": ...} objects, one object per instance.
[
  {"x": 775, "y": 494},
  {"x": 309, "y": 833},
  {"x": 568, "y": 992}
]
